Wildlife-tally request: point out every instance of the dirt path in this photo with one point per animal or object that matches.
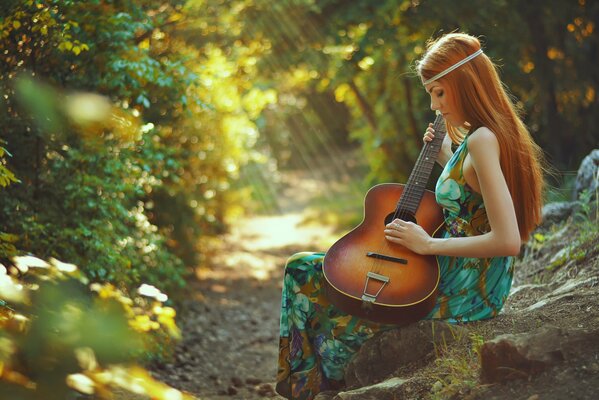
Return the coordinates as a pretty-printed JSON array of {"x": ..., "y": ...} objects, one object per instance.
[{"x": 230, "y": 328}]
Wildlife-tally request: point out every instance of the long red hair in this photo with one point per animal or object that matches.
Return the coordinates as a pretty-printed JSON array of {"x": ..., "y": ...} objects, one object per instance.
[{"x": 477, "y": 92}]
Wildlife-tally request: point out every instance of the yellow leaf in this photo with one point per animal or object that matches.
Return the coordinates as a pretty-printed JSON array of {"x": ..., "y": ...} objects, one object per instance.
[
  {"x": 341, "y": 91},
  {"x": 16, "y": 24},
  {"x": 44, "y": 30},
  {"x": 144, "y": 44},
  {"x": 76, "y": 50},
  {"x": 68, "y": 45}
]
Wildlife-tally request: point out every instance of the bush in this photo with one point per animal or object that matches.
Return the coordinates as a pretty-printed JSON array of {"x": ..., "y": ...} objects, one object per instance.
[{"x": 59, "y": 334}]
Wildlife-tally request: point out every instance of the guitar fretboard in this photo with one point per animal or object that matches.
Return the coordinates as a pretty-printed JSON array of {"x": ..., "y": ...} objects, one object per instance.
[{"x": 416, "y": 185}]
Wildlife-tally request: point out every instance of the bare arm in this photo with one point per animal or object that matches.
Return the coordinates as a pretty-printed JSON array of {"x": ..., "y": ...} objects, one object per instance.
[
  {"x": 504, "y": 238},
  {"x": 444, "y": 157}
]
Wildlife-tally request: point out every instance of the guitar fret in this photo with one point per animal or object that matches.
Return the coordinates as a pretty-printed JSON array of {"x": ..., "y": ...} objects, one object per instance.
[{"x": 416, "y": 184}]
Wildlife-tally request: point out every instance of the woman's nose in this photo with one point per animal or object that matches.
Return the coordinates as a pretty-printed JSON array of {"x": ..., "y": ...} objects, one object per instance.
[{"x": 434, "y": 105}]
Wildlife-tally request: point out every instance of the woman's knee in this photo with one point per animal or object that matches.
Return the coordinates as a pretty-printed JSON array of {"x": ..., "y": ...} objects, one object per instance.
[{"x": 303, "y": 262}]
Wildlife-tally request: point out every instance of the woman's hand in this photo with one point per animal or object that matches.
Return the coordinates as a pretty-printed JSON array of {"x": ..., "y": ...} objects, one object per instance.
[
  {"x": 409, "y": 235},
  {"x": 445, "y": 153}
]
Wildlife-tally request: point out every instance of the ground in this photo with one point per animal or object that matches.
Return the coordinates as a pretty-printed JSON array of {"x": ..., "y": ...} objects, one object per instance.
[{"x": 230, "y": 322}]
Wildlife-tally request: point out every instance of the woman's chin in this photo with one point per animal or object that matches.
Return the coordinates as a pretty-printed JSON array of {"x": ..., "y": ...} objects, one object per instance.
[{"x": 454, "y": 123}]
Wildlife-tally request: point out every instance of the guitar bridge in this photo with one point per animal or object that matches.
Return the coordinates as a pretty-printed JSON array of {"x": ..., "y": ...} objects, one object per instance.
[{"x": 369, "y": 298}]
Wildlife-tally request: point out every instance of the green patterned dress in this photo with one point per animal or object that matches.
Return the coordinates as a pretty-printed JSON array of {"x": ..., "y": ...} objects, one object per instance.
[{"x": 317, "y": 340}]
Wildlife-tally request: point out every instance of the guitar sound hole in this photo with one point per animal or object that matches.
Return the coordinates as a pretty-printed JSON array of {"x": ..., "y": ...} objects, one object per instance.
[{"x": 406, "y": 216}]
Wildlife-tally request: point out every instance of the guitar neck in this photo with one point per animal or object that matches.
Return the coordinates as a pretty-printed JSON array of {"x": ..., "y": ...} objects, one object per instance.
[{"x": 416, "y": 185}]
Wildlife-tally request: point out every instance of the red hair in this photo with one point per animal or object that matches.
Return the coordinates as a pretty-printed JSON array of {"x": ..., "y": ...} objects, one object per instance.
[{"x": 477, "y": 93}]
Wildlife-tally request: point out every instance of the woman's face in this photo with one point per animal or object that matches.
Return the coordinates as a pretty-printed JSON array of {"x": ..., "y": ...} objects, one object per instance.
[{"x": 440, "y": 100}]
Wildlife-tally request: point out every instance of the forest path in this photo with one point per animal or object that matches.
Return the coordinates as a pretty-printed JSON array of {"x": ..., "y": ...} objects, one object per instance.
[{"x": 230, "y": 326}]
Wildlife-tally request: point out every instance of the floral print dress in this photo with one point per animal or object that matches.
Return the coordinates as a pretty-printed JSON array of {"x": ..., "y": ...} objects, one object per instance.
[{"x": 317, "y": 340}]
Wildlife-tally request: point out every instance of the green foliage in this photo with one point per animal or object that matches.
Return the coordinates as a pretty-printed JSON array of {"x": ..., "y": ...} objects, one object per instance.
[
  {"x": 457, "y": 369},
  {"x": 6, "y": 176},
  {"x": 57, "y": 335},
  {"x": 358, "y": 57},
  {"x": 94, "y": 195},
  {"x": 589, "y": 204},
  {"x": 100, "y": 175}
]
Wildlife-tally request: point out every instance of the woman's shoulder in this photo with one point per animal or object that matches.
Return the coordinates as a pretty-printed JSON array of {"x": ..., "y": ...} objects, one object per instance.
[{"x": 482, "y": 140}]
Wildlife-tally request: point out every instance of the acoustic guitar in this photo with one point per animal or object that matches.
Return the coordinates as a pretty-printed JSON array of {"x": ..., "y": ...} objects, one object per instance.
[{"x": 370, "y": 277}]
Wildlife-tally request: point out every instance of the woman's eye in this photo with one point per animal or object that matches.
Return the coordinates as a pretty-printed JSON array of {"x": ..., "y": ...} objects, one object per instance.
[{"x": 440, "y": 93}]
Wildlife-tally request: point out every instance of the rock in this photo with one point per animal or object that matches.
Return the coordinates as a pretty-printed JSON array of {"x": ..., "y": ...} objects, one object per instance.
[
  {"x": 390, "y": 389},
  {"x": 236, "y": 381},
  {"x": 266, "y": 389},
  {"x": 573, "y": 284},
  {"x": 231, "y": 391},
  {"x": 567, "y": 290},
  {"x": 587, "y": 176},
  {"x": 522, "y": 355},
  {"x": 558, "y": 211},
  {"x": 326, "y": 395},
  {"x": 253, "y": 381},
  {"x": 386, "y": 352},
  {"x": 587, "y": 179}
]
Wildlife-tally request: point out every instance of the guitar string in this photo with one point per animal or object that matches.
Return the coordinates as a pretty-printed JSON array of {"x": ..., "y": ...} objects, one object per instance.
[
  {"x": 400, "y": 207},
  {"x": 415, "y": 189},
  {"x": 408, "y": 199},
  {"x": 409, "y": 192},
  {"x": 400, "y": 210}
]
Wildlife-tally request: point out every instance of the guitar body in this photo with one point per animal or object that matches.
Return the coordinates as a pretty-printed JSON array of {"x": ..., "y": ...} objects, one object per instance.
[{"x": 370, "y": 277}]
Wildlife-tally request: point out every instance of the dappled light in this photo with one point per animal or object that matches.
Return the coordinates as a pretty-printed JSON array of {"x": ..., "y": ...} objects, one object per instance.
[
  {"x": 255, "y": 245},
  {"x": 160, "y": 161}
]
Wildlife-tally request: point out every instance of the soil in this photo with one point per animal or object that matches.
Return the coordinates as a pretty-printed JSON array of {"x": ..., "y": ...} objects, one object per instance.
[{"x": 230, "y": 324}]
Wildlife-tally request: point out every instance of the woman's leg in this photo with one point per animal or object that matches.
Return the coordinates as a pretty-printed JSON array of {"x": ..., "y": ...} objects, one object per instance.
[{"x": 317, "y": 340}]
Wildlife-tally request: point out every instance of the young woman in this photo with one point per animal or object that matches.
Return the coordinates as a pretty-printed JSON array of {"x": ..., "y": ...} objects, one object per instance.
[{"x": 491, "y": 194}]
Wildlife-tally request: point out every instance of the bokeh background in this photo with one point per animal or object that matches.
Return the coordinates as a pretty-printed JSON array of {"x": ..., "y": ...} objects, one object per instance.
[{"x": 134, "y": 134}]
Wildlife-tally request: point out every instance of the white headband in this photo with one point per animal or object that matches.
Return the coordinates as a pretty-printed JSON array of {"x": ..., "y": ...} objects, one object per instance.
[{"x": 454, "y": 66}]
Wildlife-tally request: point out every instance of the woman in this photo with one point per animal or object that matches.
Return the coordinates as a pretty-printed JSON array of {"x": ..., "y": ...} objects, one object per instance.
[{"x": 491, "y": 194}]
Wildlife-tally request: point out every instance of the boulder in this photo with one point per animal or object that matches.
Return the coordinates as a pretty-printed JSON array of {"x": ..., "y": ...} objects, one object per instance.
[
  {"x": 520, "y": 356},
  {"x": 558, "y": 211},
  {"x": 391, "y": 389},
  {"x": 587, "y": 177},
  {"x": 382, "y": 355}
]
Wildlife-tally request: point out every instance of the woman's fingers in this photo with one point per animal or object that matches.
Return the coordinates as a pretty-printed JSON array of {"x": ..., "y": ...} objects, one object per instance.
[{"x": 429, "y": 134}]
